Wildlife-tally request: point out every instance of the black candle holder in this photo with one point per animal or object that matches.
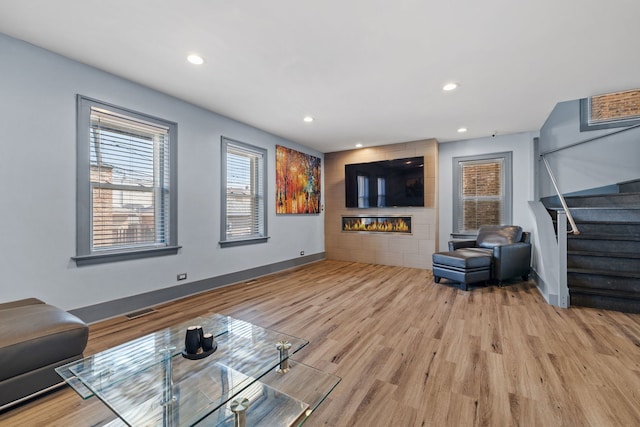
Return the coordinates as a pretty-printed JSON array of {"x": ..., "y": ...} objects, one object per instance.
[
  {"x": 197, "y": 344},
  {"x": 192, "y": 340},
  {"x": 207, "y": 342}
]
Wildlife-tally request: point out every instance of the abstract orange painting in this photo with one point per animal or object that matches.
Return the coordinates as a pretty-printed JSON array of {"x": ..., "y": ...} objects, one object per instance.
[{"x": 297, "y": 182}]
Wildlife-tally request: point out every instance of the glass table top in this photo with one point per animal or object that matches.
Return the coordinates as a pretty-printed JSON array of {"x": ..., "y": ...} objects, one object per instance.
[{"x": 147, "y": 381}]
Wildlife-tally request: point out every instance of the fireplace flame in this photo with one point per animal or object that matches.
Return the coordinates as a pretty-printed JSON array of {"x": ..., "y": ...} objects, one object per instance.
[{"x": 388, "y": 225}]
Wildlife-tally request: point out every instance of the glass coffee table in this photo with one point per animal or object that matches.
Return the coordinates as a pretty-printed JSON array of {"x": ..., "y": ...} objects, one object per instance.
[{"x": 249, "y": 380}]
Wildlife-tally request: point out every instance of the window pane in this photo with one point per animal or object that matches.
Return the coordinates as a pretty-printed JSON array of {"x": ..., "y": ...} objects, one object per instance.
[
  {"x": 482, "y": 179},
  {"x": 129, "y": 180},
  {"x": 481, "y": 212},
  {"x": 123, "y": 218},
  {"x": 614, "y": 107},
  {"x": 244, "y": 202},
  {"x": 481, "y": 194}
]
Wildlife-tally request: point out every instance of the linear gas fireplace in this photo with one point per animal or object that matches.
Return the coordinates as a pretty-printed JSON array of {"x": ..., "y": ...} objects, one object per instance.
[{"x": 377, "y": 224}]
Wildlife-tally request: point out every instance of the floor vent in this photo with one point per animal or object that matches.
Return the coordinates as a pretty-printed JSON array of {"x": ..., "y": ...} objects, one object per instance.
[{"x": 140, "y": 313}]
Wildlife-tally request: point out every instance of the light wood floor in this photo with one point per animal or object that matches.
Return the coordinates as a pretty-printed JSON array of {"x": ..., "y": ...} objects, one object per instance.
[{"x": 413, "y": 353}]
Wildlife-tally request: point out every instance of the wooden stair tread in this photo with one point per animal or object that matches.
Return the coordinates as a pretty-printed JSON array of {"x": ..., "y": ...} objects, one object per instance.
[
  {"x": 589, "y": 196},
  {"x": 631, "y": 255},
  {"x": 607, "y": 292},
  {"x": 610, "y": 237},
  {"x": 607, "y": 222},
  {"x": 603, "y": 272}
]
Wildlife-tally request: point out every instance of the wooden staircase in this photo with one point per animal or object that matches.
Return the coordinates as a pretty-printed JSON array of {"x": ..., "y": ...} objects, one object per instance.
[{"x": 603, "y": 261}]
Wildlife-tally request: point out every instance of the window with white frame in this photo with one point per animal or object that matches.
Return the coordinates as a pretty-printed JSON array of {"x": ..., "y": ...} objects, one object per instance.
[
  {"x": 244, "y": 198},
  {"x": 482, "y": 192},
  {"x": 126, "y": 205}
]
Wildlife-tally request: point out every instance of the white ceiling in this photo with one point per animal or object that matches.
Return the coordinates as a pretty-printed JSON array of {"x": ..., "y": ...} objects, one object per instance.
[{"x": 368, "y": 71}]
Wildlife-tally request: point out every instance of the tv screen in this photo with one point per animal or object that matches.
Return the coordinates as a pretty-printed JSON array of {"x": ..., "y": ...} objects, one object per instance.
[{"x": 387, "y": 183}]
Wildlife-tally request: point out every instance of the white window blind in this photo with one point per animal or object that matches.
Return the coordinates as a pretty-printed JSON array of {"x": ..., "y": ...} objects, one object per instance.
[
  {"x": 129, "y": 175},
  {"x": 245, "y": 195},
  {"x": 481, "y": 194}
]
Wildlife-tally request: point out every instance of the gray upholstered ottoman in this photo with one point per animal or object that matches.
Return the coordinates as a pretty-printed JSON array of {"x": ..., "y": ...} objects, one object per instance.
[
  {"x": 35, "y": 338},
  {"x": 465, "y": 266}
]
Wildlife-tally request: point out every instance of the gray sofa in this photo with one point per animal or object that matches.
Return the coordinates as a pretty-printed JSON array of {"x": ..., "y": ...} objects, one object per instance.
[{"x": 35, "y": 338}]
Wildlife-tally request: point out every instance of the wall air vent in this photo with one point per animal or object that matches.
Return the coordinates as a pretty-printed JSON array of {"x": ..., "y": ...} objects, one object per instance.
[{"x": 140, "y": 313}]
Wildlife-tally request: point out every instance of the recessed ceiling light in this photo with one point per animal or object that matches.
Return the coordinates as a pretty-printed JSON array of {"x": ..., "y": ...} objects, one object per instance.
[
  {"x": 195, "y": 59},
  {"x": 308, "y": 119},
  {"x": 358, "y": 145},
  {"x": 450, "y": 86},
  {"x": 462, "y": 130}
]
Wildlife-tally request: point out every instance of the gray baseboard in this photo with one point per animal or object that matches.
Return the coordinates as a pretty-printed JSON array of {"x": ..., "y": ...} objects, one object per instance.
[
  {"x": 550, "y": 298},
  {"x": 97, "y": 312}
]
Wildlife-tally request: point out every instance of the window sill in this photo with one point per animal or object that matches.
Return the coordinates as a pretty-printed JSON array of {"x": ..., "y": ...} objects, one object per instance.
[
  {"x": 101, "y": 258},
  {"x": 242, "y": 242}
]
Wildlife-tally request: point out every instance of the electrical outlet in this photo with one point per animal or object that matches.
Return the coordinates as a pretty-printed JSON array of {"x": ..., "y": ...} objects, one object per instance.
[
  {"x": 301, "y": 253},
  {"x": 182, "y": 276}
]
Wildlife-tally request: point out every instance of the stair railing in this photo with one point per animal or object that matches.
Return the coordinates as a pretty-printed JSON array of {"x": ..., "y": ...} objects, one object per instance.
[
  {"x": 563, "y": 202},
  {"x": 574, "y": 228}
]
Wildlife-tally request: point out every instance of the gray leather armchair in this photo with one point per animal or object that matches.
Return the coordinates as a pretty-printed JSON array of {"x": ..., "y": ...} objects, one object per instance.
[{"x": 508, "y": 246}]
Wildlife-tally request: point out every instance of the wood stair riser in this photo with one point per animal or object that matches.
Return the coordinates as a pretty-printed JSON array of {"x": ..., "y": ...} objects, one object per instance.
[
  {"x": 612, "y": 228},
  {"x": 605, "y": 246},
  {"x": 604, "y": 282},
  {"x": 605, "y": 302},
  {"x": 604, "y": 263}
]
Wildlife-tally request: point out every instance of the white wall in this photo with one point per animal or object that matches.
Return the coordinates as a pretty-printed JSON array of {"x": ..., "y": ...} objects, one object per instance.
[
  {"x": 520, "y": 144},
  {"x": 595, "y": 164},
  {"x": 38, "y": 191}
]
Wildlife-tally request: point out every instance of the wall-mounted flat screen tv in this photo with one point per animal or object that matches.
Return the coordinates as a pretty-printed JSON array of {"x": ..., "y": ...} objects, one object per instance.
[{"x": 387, "y": 183}]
